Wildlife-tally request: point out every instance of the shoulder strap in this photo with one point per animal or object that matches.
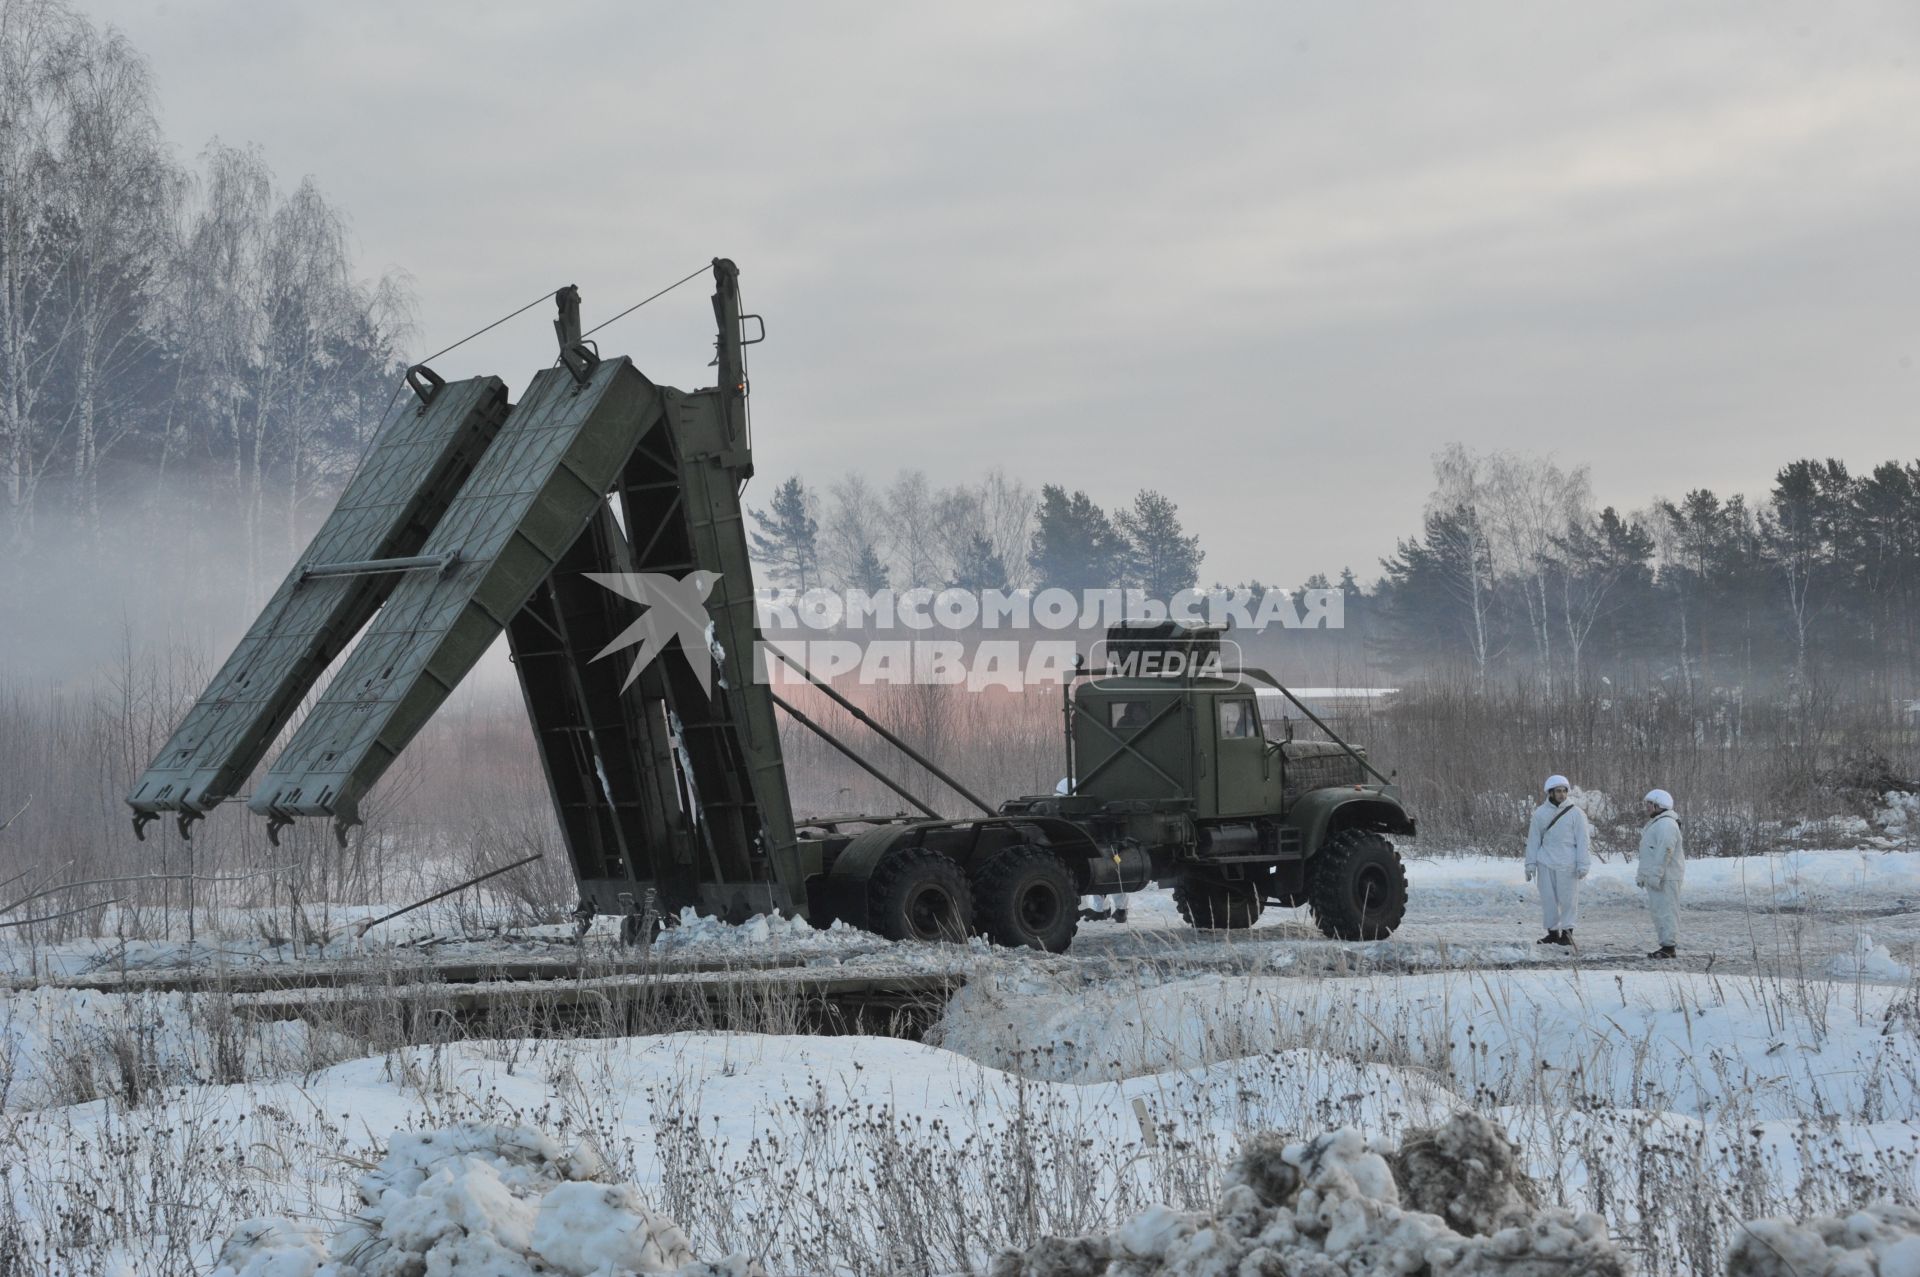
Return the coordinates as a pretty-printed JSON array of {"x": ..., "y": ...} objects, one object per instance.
[{"x": 1556, "y": 818}]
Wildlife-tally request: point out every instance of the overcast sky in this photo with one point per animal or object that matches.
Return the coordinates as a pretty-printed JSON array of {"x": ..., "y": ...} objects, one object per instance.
[{"x": 1266, "y": 258}]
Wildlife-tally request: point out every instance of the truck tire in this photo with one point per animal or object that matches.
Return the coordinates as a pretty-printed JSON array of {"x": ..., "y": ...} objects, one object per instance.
[
  {"x": 918, "y": 894},
  {"x": 1216, "y": 904},
  {"x": 1357, "y": 886},
  {"x": 1026, "y": 896}
]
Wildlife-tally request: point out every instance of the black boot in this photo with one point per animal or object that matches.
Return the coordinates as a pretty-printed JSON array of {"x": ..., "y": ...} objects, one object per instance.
[
  {"x": 1552, "y": 937},
  {"x": 1664, "y": 951},
  {"x": 1566, "y": 938}
]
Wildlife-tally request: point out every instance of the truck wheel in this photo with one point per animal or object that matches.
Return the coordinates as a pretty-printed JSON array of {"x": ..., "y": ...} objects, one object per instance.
[
  {"x": 919, "y": 894},
  {"x": 1217, "y": 904},
  {"x": 1357, "y": 886},
  {"x": 1025, "y": 896}
]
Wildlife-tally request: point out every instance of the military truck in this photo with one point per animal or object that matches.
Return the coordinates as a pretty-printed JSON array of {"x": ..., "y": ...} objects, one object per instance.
[
  {"x": 1171, "y": 778},
  {"x": 602, "y": 507}
]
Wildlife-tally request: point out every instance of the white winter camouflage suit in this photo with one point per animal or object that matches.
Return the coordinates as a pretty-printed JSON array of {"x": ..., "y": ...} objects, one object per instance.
[
  {"x": 1560, "y": 857},
  {"x": 1663, "y": 866}
]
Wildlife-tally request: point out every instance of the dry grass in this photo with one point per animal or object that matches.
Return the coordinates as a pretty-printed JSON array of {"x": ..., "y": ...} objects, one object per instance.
[{"x": 139, "y": 1145}]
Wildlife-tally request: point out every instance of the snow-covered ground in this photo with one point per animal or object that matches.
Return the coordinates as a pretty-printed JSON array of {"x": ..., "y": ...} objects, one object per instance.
[
  {"x": 1774, "y": 1070},
  {"x": 875, "y": 1155},
  {"x": 1793, "y": 910}
]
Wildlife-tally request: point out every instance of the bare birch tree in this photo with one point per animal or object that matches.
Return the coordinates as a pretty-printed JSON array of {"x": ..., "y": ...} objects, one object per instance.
[
  {"x": 1462, "y": 491},
  {"x": 37, "y": 41},
  {"x": 853, "y": 547},
  {"x": 1529, "y": 502},
  {"x": 913, "y": 526},
  {"x": 116, "y": 191}
]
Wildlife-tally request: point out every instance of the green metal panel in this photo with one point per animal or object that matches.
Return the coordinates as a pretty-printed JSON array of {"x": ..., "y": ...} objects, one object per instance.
[
  {"x": 526, "y": 504},
  {"x": 665, "y": 784},
  {"x": 607, "y": 754},
  {"x": 1133, "y": 738},
  {"x": 420, "y": 457},
  {"x": 731, "y": 738}
]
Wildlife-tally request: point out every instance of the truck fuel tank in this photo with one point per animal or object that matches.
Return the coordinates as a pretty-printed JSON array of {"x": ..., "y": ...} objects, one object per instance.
[
  {"x": 1221, "y": 841},
  {"x": 1127, "y": 867}
]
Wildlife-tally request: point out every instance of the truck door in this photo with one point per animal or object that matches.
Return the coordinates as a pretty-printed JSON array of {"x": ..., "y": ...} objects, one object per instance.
[{"x": 1240, "y": 764}]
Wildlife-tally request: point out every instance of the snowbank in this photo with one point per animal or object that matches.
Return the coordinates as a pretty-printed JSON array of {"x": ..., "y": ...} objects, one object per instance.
[
  {"x": 473, "y": 1200},
  {"x": 60, "y": 1046},
  {"x": 1867, "y": 878},
  {"x": 1868, "y": 961},
  {"x": 1621, "y": 1037},
  {"x": 1450, "y": 1200},
  {"x": 1899, "y": 816},
  {"x": 1875, "y": 1241}
]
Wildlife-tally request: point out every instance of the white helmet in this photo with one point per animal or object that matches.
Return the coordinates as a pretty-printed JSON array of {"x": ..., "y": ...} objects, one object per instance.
[
  {"x": 1556, "y": 781},
  {"x": 1660, "y": 798}
]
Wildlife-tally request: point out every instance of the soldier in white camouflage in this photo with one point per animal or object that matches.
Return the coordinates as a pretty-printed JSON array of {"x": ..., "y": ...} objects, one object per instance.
[
  {"x": 1662, "y": 867},
  {"x": 1559, "y": 849}
]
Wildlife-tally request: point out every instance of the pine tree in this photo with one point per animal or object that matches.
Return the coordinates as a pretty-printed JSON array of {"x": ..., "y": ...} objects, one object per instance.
[
  {"x": 1161, "y": 558},
  {"x": 1075, "y": 545},
  {"x": 1441, "y": 582},
  {"x": 869, "y": 571},
  {"x": 978, "y": 567},
  {"x": 788, "y": 538}
]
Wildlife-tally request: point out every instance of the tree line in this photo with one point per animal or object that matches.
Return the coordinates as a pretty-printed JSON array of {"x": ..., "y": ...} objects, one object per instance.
[
  {"x": 998, "y": 534},
  {"x": 1515, "y": 571},
  {"x": 197, "y": 323}
]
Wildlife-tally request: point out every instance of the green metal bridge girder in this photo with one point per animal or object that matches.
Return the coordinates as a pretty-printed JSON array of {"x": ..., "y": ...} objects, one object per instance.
[
  {"x": 420, "y": 458},
  {"x": 535, "y": 490}
]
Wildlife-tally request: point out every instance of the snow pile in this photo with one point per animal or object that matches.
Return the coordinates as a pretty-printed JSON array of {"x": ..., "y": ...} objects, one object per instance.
[
  {"x": 1868, "y": 961},
  {"x": 271, "y": 1247},
  {"x": 476, "y": 1200},
  {"x": 1449, "y": 1201},
  {"x": 1467, "y": 1172},
  {"x": 695, "y": 931},
  {"x": 1875, "y": 1241},
  {"x": 1900, "y": 817}
]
